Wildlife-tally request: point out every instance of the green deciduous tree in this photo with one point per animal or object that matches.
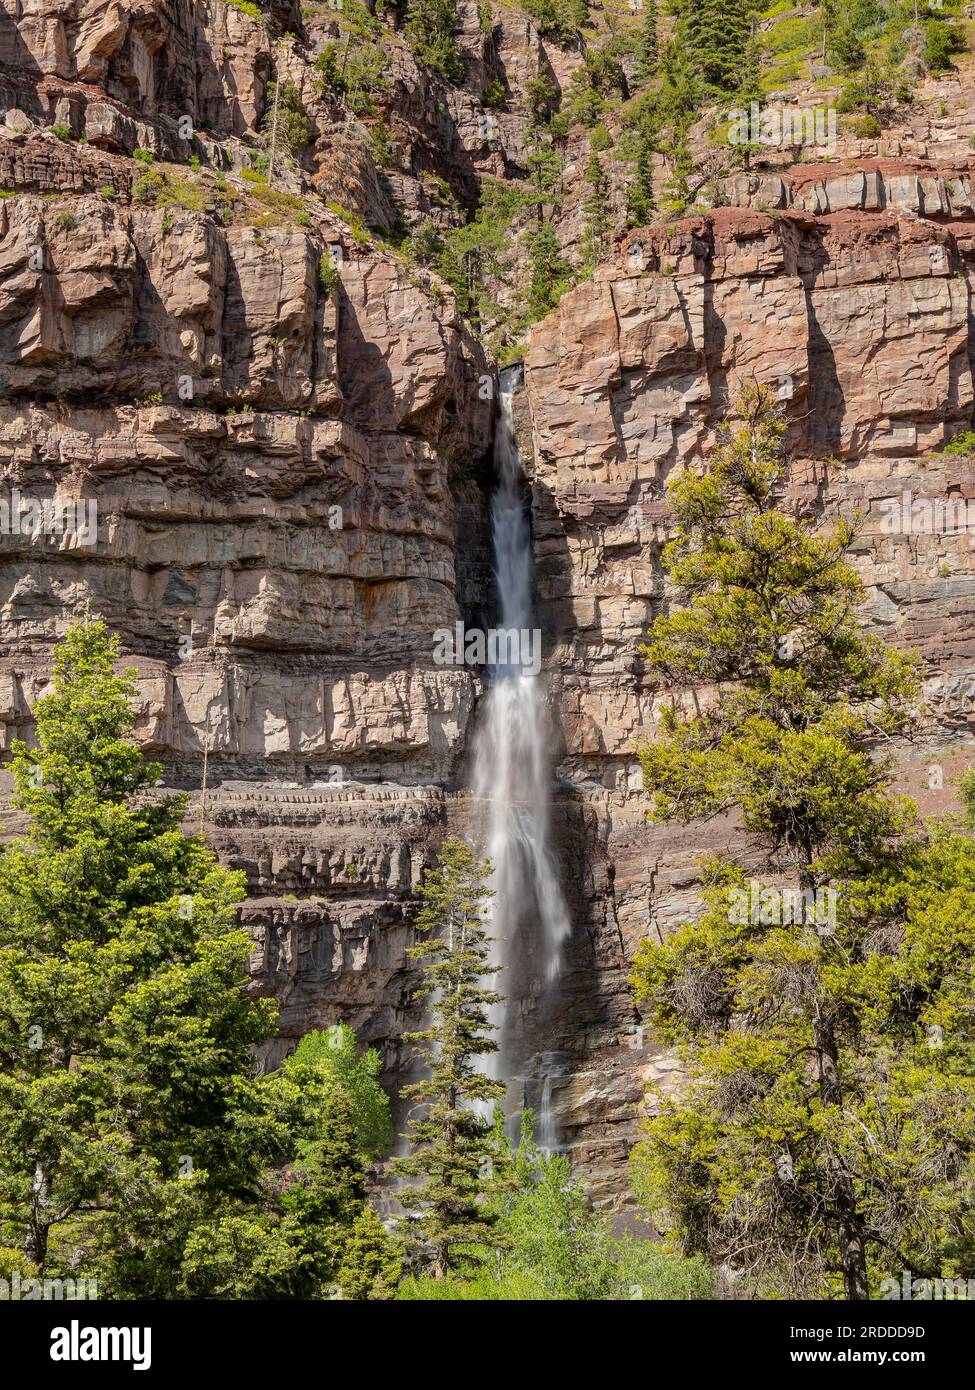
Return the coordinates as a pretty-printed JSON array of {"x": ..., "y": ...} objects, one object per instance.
[
  {"x": 822, "y": 1133},
  {"x": 558, "y": 1248},
  {"x": 456, "y": 1151},
  {"x": 334, "y": 1054},
  {"x": 562, "y": 19}
]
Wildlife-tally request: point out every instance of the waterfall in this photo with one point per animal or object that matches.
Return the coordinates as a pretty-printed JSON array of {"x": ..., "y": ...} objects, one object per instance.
[{"x": 512, "y": 781}]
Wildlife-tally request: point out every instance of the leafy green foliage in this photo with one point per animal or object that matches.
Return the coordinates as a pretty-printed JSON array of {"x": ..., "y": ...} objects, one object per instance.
[
  {"x": 472, "y": 256},
  {"x": 354, "y": 72},
  {"x": 557, "y": 1248},
  {"x": 643, "y": 136},
  {"x": 551, "y": 273},
  {"x": 334, "y": 1054},
  {"x": 595, "y": 83},
  {"x": 559, "y": 19},
  {"x": 596, "y": 208},
  {"x": 328, "y": 275},
  {"x": 714, "y": 34},
  {"x": 878, "y": 90},
  {"x": 648, "y": 49},
  {"x": 823, "y": 1130},
  {"x": 430, "y": 26},
  {"x": 136, "y": 1140},
  {"x": 290, "y": 122},
  {"x": 961, "y": 445},
  {"x": 494, "y": 96}
]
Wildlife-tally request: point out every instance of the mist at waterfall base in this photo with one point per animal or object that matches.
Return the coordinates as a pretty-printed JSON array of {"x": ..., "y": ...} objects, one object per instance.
[{"x": 512, "y": 784}]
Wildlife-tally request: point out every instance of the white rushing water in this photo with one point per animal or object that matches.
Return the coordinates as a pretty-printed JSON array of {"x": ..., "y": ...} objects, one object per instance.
[{"x": 513, "y": 781}]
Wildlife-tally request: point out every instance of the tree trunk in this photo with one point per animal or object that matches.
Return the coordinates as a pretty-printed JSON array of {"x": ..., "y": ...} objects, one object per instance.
[
  {"x": 853, "y": 1253},
  {"x": 35, "y": 1244}
]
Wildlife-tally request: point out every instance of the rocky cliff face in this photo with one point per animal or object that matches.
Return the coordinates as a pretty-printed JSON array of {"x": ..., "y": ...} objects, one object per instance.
[{"x": 286, "y": 430}]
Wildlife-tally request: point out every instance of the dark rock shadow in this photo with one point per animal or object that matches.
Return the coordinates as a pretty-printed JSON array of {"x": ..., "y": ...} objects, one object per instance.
[{"x": 364, "y": 377}]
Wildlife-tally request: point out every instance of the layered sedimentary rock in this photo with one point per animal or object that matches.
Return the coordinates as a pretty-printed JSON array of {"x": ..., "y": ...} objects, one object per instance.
[
  {"x": 861, "y": 321},
  {"x": 290, "y": 466}
]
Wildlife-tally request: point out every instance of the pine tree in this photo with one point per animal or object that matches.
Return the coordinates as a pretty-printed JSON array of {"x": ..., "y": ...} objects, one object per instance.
[
  {"x": 713, "y": 35},
  {"x": 822, "y": 1131},
  {"x": 677, "y": 193},
  {"x": 124, "y": 1026},
  {"x": 370, "y": 1265},
  {"x": 641, "y": 199},
  {"x": 596, "y": 209},
  {"x": 648, "y": 52},
  {"x": 551, "y": 273},
  {"x": 454, "y": 1146},
  {"x": 749, "y": 85},
  {"x": 135, "y": 1135},
  {"x": 431, "y": 25}
]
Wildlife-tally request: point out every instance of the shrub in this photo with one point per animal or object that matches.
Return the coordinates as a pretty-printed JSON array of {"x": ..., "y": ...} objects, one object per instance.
[
  {"x": 381, "y": 145},
  {"x": 942, "y": 39},
  {"x": 494, "y": 95},
  {"x": 148, "y": 187},
  {"x": 867, "y": 127},
  {"x": 328, "y": 274},
  {"x": 601, "y": 138},
  {"x": 142, "y": 155},
  {"x": 62, "y": 131},
  {"x": 960, "y": 445},
  {"x": 354, "y": 223},
  {"x": 65, "y": 220}
]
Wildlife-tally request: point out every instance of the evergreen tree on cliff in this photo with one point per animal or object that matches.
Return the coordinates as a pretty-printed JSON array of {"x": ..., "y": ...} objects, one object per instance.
[
  {"x": 138, "y": 1145},
  {"x": 457, "y": 1152},
  {"x": 714, "y": 37},
  {"x": 830, "y": 1038},
  {"x": 648, "y": 50},
  {"x": 430, "y": 25}
]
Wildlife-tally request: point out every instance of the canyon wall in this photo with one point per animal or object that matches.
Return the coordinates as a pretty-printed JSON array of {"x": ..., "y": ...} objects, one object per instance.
[{"x": 287, "y": 431}]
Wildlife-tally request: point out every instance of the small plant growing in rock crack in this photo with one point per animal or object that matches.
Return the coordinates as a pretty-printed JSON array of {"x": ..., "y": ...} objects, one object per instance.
[
  {"x": 148, "y": 187},
  {"x": 62, "y": 131},
  {"x": 328, "y": 274},
  {"x": 960, "y": 445},
  {"x": 66, "y": 220},
  {"x": 494, "y": 96}
]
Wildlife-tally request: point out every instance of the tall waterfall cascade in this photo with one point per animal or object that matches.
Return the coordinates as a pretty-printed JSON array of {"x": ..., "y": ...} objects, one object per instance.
[{"x": 512, "y": 782}]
